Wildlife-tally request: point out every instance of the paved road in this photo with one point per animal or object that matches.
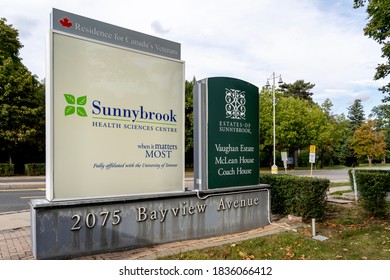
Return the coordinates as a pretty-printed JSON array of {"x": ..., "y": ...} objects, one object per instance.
[
  {"x": 15, "y": 192},
  {"x": 334, "y": 175},
  {"x": 17, "y": 199}
]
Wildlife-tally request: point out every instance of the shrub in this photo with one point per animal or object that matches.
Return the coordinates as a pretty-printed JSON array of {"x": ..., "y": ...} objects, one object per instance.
[
  {"x": 6, "y": 169},
  {"x": 301, "y": 196},
  {"x": 35, "y": 169},
  {"x": 373, "y": 186}
]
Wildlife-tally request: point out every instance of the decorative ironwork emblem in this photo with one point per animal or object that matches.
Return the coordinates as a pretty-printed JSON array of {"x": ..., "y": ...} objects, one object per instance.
[{"x": 235, "y": 104}]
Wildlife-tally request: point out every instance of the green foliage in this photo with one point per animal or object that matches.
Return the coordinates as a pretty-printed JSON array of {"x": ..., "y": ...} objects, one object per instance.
[
  {"x": 377, "y": 28},
  {"x": 368, "y": 141},
  {"x": 299, "y": 124},
  {"x": 303, "y": 158},
  {"x": 35, "y": 169},
  {"x": 22, "y": 101},
  {"x": 299, "y": 89},
  {"x": 9, "y": 43},
  {"x": 6, "y": 169},
  {"x": 356, "y": 114},
  {"x": 381, "y": 114},
  {"x": 189, "y": 115},
  {"x": 373, "y": 186},
  {"x": 301, "y": 196}
]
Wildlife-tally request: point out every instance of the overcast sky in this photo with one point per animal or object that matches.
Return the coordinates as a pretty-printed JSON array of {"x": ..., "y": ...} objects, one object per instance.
[{"x": 319, "y": 41}]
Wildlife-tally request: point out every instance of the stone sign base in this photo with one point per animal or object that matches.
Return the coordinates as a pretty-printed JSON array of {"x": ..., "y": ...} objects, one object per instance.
[{"x": 85, "y": 227}]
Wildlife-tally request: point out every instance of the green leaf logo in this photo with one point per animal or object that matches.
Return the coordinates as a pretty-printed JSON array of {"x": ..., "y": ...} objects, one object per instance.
[
  {"x": 81, "y": 112},
  {"x": 69, "y": 98},
  {"x": 82, "y": 100},
  {"x": 75, "y": 105},
  {"x": 69, "y": 110}
]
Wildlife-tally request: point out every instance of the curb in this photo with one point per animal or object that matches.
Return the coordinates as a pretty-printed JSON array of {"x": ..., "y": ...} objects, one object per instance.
[
  {"x": 22, "y": 182},
  {"x": 22, "y": 185}
]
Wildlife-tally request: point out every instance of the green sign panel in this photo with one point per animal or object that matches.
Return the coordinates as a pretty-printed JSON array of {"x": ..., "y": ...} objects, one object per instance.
[{"x": 231, "y": 147}]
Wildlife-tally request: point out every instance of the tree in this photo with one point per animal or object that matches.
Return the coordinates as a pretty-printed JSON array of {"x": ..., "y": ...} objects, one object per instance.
[
  {"x": 344, "y": 153},
  {"x": 378, "y": 28},
  {"x": 382, "y": 115},
  {"x": 9, "y": 43},
  {"x": 327, "y": 107},
  {"x": 189, "y": 114},
  {"x": 298, "y": 89},
  {"x": 369, "y": 142},
  {"x": 21, "y": 97},
  {"x": 332, "y": 137},
  {"x": 299, "y": 123},
  {"x": 355, "y": 114},
  {"x": 382, "y": 118}
]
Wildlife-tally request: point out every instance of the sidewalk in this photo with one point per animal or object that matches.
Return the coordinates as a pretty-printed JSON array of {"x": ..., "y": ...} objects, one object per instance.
[
  {"x": 22, "y": 182},
  {"x": 15, "y": 241}
]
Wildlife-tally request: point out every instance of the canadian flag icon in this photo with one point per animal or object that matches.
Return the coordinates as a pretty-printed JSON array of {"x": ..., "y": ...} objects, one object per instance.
[{"x": 65, "y": 22}]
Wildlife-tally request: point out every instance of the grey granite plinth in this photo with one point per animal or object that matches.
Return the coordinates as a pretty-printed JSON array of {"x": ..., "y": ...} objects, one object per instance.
[{"x": 74, "y": 228}]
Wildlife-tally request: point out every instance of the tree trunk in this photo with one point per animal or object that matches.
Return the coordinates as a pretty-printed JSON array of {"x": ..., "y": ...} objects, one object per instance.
[
  {"x": 296, "y": 156},
  {"x": 369, "y": 161},
  {"x": 9, "y": 158}
]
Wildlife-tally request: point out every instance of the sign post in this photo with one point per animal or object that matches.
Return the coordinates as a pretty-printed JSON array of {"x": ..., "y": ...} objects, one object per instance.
[
  {"x": 312, "y": 158},
  {"x": 226, "y": 133},
  {"x": 284, "y": 159}
]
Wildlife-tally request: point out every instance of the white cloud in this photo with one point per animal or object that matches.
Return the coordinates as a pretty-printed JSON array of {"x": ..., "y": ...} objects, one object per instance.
[
  {"x": 319, "y": 41},
  {"x": 158, "y": 28}
]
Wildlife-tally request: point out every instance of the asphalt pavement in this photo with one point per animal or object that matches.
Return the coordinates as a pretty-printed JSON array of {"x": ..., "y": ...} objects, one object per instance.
[{"x": 334, "y": 175}]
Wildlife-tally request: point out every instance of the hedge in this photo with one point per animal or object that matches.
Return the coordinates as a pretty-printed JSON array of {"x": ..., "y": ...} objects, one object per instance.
[
  {"x": 6, "y": 169},
  {"x": 300, "y": 196},
  {"x": 373, "y": 186},
  {"x": 35, "y": 169}
]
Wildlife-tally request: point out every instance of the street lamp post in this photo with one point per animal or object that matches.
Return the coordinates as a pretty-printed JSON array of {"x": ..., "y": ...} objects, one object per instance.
[{"x": 274, "y": 168}]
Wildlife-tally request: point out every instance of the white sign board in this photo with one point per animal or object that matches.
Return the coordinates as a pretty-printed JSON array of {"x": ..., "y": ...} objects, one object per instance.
[
  {"x": 312, "y": 158},
  {"x": 116, "y": 120},
  {"x": 284, "y": 159}
]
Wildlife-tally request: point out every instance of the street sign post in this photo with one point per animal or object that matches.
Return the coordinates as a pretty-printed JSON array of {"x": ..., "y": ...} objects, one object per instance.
[
  {"x": 284, "y": 159},
  {"x": 312, "y": 158}
]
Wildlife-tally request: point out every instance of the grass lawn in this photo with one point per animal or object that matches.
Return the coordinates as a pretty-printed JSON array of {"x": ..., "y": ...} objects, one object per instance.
[{"x": 352, "y": 236}]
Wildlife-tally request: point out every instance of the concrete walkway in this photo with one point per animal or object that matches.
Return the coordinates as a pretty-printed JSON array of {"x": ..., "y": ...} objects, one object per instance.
[{"x": 14, "y": 220}]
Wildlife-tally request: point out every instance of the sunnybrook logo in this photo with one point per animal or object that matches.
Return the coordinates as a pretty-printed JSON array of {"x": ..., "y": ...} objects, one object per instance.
[
  {"x": 75, "y": 105},
  {"x": 99, "y": 111},
  {"x": 235, "y": 104}
]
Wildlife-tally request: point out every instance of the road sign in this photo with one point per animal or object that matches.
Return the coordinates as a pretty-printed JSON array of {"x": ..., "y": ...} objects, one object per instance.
[
  {"x": 312, "y": 158},
  {"x": 312, "y": 149}
]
